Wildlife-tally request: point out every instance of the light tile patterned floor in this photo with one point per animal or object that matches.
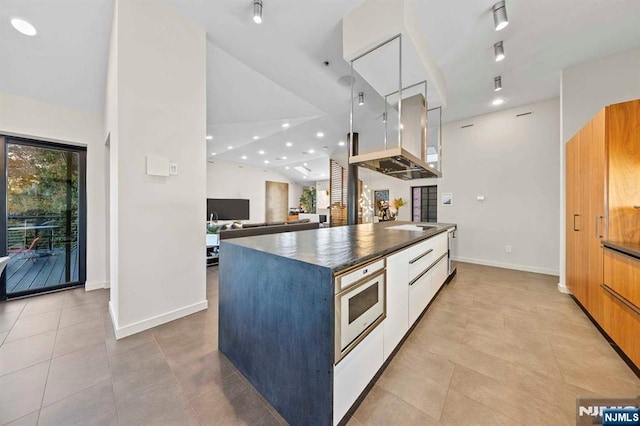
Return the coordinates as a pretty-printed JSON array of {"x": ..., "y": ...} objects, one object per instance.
[{"x": 497, "y": 347}]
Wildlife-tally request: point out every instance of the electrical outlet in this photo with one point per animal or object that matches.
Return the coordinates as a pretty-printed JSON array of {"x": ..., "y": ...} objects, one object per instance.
[{"x": 507, "y": 249}]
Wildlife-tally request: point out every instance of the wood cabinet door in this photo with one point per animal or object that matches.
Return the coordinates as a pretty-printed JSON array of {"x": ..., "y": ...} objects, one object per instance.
[
  {"x": 574, "y": 218},
  {"x": 593, "y": 144}
]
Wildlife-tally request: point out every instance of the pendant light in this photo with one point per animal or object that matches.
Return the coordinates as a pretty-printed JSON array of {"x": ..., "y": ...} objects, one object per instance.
[
  {"x": 498, "y": 50},
  {"x": 497, "y": 84},
  {"x": 257, "y": 11},
  {"x": 500, "y": 15}
]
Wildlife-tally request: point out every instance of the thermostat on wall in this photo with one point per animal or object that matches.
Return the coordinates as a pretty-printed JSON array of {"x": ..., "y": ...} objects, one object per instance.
[{"x": 157, "y": 166}]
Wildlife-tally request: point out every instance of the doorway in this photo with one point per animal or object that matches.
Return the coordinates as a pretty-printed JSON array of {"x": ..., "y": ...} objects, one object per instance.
[
  {"x": 424, "y": 203},
  {"x": 42, "y": 216}
]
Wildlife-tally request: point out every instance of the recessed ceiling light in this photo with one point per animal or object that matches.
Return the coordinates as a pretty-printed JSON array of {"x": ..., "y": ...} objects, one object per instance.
[
  {"x": 284, "y": 158},
  {"x": 320, "y": 134},
  {"x": 229, "y": 147},
  {"x": 285, "y": 125},
  {"x": 305, "y": 164},
  {"x": 23, "y": 27},
  {"x": 311, "y": 151},
  {"x": 244, "y": 157},
  {"x": 498, "y": 101},
  {"x": 209, "y": 137},
  {"x": 266, "y": 161},
  {"x": 287, "y": 167},
  {"x": 213, "y": 153},
  {"x": 256, "y": 138},
  {"x": 341, "y": 143},
  {"x": 261, "y": 152},
  {"x": 304, "y": 177},
  {"x": 289, "y": 144}
]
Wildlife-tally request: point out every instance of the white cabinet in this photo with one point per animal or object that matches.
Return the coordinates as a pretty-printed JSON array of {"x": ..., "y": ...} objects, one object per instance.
[
  {"x": 426, "y": 277},
  {"x": 397, "y": 322},
  {"x": 355, "y": 371}
]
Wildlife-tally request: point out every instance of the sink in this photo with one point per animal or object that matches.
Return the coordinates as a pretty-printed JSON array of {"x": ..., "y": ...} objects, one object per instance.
[{"x": 415, "y": 228}]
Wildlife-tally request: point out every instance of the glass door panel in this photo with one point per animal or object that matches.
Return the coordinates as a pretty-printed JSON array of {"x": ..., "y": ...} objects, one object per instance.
[{"x": 44, "y": 211}]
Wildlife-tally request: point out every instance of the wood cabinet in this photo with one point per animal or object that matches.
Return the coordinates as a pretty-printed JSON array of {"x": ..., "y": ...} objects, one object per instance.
[
  {"x": 602, "y": 187},
  {"x": 621, "y": 307},
  {"x": 586, "y": 213}
]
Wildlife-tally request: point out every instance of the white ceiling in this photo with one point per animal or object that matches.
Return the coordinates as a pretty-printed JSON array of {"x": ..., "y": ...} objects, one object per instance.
[{"x": 261, "y": 76}]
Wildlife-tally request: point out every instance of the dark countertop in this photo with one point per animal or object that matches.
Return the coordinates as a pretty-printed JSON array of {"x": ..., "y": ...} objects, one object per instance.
[
  {"x": 340, "y": 247},
  {"x": 631, "y": 249}
]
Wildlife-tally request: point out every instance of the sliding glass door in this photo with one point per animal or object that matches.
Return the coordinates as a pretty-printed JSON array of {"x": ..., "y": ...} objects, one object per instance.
[{"x": 42, "y": 216}]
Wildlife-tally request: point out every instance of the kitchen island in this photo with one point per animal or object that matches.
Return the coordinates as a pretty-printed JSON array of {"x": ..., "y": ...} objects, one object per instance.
[{"x": 309, "y": 317}]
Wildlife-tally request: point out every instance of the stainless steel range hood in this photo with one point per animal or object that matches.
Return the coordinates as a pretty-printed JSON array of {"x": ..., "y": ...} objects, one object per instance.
[
  {"x": 392, "y": 67},
  {"x": 396, "y": 162}
]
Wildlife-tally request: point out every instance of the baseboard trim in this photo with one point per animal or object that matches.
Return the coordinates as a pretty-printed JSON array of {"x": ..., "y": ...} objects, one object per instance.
[
  {"x": 516, "y": 267},
  {"x": 148, "y": 323},
  {"x": 97, "y": 285},
  {"x": 563, "y": 289}
]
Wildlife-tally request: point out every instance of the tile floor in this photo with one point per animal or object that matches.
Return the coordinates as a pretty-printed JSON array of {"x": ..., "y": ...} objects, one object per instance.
[{"x": 497, "y": 347}]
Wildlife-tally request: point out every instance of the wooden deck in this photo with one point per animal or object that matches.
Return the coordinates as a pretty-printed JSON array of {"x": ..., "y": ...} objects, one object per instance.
[{"x": 47, "y": 269}]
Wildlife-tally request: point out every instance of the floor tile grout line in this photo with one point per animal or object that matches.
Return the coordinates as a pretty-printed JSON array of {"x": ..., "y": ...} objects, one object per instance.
[
  {"x": 175, "y": 378},
  {"x": 113, "y": 386}
]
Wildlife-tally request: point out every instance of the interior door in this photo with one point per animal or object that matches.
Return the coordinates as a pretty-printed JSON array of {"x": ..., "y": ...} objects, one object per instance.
[{"x": 42, "y": 215}]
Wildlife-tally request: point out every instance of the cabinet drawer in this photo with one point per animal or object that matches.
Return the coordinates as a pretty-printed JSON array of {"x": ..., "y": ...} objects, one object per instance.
[
  {"x": 622, "y": 324},
  {"x": 425, "y": 253},
  {"x": 622, "y": 274},
  {"x": 420, "y": 294},
  {"x": 346, "y": 280}
]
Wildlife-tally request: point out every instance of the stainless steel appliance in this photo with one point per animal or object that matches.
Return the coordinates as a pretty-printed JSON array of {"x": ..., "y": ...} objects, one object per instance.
[
  {"x": 360, "y": 303},
  {"x": 453, "y": 253}
]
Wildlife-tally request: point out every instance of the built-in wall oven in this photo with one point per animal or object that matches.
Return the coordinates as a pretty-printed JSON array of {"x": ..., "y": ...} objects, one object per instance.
[{"x": 360, "y": 305}]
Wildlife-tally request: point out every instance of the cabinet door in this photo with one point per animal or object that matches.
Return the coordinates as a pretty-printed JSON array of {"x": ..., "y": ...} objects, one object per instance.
[
  {"x": 397, "y": 322},
  {"x": 575, "y": 261},
  {"x": 593, "y": 144}
]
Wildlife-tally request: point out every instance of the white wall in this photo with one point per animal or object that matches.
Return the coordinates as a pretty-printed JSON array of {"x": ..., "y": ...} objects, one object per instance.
[
  {"x": 512, "y": 161},
  {"x": 157, "y": 234},
  {"x": 589, "y": 87},
  {"x": 232, "y": 180},
  {"x": 585, "y": 89},
  {"x": 30, "y": 118}
]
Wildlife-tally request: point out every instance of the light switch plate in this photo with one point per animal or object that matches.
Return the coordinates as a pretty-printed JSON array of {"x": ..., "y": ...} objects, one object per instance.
[{"x": 173, "y": 169}]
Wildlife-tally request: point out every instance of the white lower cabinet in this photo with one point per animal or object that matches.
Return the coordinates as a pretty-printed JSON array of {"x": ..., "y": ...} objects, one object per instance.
[
  {"x": 397, "y": 323},
  {"x": 354, "y": 372},
  {"x": 404, "y": 305},
  {"x": 420, "y": 294}
]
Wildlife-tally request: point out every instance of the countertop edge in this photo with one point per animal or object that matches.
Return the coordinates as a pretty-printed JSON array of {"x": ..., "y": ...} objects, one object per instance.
[
  {"x": 429, "y": 234},
  {"x": 630, "y": 249}
]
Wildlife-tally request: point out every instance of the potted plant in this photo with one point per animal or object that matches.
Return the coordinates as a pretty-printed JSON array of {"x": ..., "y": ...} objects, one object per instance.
[{"x": 397, "y": 203}]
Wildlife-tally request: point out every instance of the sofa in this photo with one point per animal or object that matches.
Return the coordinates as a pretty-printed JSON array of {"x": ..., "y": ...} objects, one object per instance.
[{"x": 252, "y": 229}]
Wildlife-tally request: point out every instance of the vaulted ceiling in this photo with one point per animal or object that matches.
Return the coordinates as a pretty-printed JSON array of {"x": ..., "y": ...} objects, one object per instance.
[{"x": 263, "y": 76}]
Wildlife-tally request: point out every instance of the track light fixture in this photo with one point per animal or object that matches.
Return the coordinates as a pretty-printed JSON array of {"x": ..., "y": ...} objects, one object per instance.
[
  {"x": 497, "y": 84},
  {"x": 500, "y": 15},
  {"x": 498, "y": 50},
  {"x": 257, "y": 11},
  {"x": 361, "y": 98}
]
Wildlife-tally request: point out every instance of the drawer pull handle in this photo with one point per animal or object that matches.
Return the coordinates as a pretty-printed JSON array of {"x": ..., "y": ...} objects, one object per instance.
[
  {"x": 414, "y": 260},
  {"x": 598, "y": 218},
  {"x": 621, "y": 299},
  {"x": 574, "y": 222},
  {"x": 413, "y": 281}
]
